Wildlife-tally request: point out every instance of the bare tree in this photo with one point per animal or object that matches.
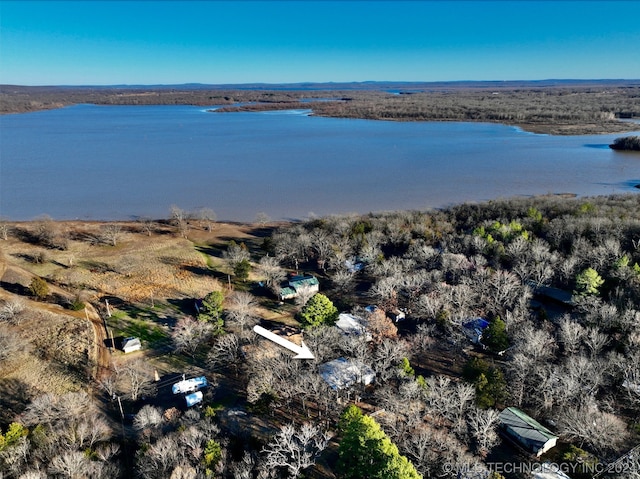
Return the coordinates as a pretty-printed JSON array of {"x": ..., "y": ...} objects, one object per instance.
[
  {"x": 72, "y": 465},
  {"x": 262, "y": 218},
  {"x": 595, "y": 341},
  {"x": 269, "y": 268},
  {"x": 160, "y": 459},
  {"x": 483, "y": 425},
  {"x": 148, "y": 224},
  {"x": 235, "y": 254},
  {"x": 303, "y": 295},
  {"x": 111, "y": 233},
  {"x": 137, "y": 379},
  {"x": 241, "y": 309},
  {"x": 536, "y": 343},
  {"x": 148, "y": 418},
  {"x": 189, "y": 333},
  {"x": 387, "y": 356},
  {"x": 295, "y": 449},
  {"x": 602, "y": 431},
  {"x": 571, "y": 335},
  {"x": 5, "y": 229},
  {"x": 207, "y": 218},
  {"x": 225, "y": 350},
  {"x": 10, "y": 342},
  {"x": 179, "y": 218},
  {"x": 11, "y": 309},
  {"x": 343, "y": 281}
]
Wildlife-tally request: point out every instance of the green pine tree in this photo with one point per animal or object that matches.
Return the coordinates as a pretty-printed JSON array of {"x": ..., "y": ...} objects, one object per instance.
[
  {"x": 366, "y": 452},
  {"x": 319, "y": 310}
]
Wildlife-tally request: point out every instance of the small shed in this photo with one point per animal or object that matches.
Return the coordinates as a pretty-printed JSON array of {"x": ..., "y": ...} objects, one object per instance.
[
  {"x": 342, "y": 373},
  {"x": 526, "y": 431},
  {"x": 131, "y": 344}
]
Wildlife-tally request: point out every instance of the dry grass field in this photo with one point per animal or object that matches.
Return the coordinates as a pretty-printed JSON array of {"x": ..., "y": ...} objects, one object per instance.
[{"x": 149, "y": 278}]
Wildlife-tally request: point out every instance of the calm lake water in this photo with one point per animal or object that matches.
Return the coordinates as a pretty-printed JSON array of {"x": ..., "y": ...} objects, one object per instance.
[{"x": 119, "y": 162}]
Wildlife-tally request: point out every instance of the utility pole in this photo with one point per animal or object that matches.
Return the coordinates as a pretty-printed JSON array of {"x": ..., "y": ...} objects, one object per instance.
[{"x": 106, "y": 301}]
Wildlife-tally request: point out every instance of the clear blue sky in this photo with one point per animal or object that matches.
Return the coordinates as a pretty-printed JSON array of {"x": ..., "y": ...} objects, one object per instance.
[{"x": 149, "y": 42}]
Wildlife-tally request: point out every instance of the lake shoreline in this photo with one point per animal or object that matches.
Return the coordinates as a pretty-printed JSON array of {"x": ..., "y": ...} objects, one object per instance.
[{"x": 564, "y": 108}]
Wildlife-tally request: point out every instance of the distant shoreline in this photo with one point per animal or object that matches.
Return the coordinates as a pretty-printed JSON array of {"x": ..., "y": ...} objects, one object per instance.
[{"x": 550, "y": 107}]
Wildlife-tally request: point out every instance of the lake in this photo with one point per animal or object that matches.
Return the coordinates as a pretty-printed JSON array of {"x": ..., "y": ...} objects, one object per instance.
[{"x": 120, "y": 162}]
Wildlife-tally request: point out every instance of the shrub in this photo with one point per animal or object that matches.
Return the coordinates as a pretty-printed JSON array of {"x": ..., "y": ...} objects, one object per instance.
[{"x": 39, "y": 288}]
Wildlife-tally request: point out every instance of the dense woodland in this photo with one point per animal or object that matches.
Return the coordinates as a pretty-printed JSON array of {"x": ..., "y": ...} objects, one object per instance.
[
  {"x": 542, "y": 107},
  {"x": 558, "y": 279}
]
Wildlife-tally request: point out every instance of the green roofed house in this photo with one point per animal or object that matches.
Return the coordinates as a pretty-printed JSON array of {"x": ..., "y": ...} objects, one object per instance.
[
  {"x": 526, "y": 431},
  {"x": 296, "y": 283}
]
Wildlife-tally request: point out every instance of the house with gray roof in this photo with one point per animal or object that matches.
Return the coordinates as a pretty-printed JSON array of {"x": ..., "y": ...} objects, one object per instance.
[
  {"x": 342, "y": 373},
  {"x": 526, "y": 431}
]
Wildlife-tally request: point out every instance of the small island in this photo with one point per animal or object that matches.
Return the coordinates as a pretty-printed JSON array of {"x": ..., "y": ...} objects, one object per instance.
[{"x": 626, "y": 143}]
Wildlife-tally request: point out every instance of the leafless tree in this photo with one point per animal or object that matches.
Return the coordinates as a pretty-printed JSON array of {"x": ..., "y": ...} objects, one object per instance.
[
  {"x": 11, "y": 309},
  {"x": 34, "y": 474},
  {"x": 5, "y": 230},
  {"x": 343, "y": 281},
  {"x": 111, "y": 233},
  {"x": 602, "y": 431},
  {"x": 241, "y": 309},
  {"x": 10, "y": 343},
  {"x": 243, "y": 469},
  {"x": 269, "y": 268},
  {"x": 179, "y": 218},
  {"x": 295, "y": 449},
  {"x": 387, "y": 356},
  {"x": 148, "y": 224},
  {"x": 483, "y": 425},
  {"x": 450, "y": 400},
  {"x": 160, "y": 459},
  {"x": 436, "y": 453},
  {"x": 137, "y": 379},
  {"x": 225, "y": 350},
  {"x": 303, "y": 295},
  {"x": 325, "y": 342},
  {"x": 207, "y": 218},
  {"x": 535, "y": 343},
  {"x": 14, "y": 459},
  {"x": 385, "y": 291},
  {"x": 321, "y": 245},
  {"x": 235, "y": 254},
  {"x": 262, "y": 218},
  {"x": 183, "y": 471},
  {"x": 595, "y": 341},
  {"x": 148, "y": 419},
  {"x": 189, "y": 333},
  {"x": 428, "y": 306},
  {"x": 571, "y": 334},
  {"x": 423, "y": 339}
]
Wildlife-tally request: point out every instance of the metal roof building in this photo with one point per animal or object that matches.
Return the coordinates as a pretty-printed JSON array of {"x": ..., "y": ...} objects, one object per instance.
[
  {"x": 296, "y": 283},
  {"x": 342, "y": 373},
  {"x": 526, "y": 431}
]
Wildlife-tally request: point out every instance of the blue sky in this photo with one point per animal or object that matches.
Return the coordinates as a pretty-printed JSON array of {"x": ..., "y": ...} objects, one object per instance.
[{"x": 152, "y": 42}]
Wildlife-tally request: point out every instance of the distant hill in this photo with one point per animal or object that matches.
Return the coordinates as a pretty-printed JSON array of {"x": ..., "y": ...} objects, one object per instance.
[{"x": 338, "y": 86}]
